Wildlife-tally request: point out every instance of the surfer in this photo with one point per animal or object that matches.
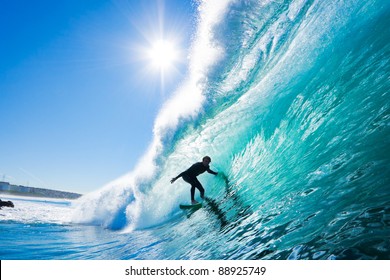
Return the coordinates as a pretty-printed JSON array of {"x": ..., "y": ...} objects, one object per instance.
[{"x": 191, "y": 173}]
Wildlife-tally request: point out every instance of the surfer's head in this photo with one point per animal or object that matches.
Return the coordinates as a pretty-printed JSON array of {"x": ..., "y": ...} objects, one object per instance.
[{"x": 206, "y": 160}]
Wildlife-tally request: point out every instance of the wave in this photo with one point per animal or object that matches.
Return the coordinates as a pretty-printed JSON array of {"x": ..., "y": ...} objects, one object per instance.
[{"x": 290, "y": 100}]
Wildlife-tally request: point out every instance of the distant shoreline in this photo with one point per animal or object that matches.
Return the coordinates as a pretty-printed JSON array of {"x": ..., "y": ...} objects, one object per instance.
[
  {"x": 9, "y": 189},
  {"x": 34, "y": 195}
]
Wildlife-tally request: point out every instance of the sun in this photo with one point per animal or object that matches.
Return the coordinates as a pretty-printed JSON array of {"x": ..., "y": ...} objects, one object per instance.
[{"x": 163, "y": 54}]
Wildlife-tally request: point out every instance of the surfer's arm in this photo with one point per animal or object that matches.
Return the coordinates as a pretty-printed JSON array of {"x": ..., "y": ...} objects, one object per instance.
[
  {"x": 177, "y": 177},
  {"x": 212, "y": 172}
]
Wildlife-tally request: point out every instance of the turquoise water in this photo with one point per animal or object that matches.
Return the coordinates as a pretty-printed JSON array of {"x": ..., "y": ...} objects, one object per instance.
[{"x": 291, "y": 101}]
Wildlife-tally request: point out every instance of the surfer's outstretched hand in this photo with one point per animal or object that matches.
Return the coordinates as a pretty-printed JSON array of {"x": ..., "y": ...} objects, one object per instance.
[
  {"x": 173, "y": 180},
  {"x": 223, "y": 176}
]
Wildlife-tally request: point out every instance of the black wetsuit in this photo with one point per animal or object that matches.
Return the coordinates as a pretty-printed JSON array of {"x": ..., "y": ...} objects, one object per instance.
[{"x": 190, "y": 177}]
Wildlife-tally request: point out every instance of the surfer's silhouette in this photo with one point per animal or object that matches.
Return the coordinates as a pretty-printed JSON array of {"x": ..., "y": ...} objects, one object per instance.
[{"x": 191, "y": 173}]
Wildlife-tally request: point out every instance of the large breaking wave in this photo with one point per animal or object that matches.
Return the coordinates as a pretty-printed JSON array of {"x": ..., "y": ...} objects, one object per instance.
[{"x": 291, "y": 101}]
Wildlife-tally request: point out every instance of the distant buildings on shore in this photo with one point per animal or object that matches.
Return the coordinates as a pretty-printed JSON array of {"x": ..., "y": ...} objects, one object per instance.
[{"x": 7, "y": 188}]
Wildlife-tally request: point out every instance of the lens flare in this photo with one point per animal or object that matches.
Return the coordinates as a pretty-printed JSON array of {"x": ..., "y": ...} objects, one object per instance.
[{"x": 163, "y": 54}]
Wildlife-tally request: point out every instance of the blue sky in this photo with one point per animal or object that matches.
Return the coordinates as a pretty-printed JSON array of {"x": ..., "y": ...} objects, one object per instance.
[{"x": 78, "y": 91}]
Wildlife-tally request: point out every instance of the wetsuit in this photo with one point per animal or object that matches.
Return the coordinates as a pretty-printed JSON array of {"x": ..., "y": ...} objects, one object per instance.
[{"x": 190, "y": 177}]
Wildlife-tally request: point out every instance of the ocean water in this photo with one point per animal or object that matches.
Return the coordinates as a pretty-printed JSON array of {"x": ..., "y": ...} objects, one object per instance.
[{"x": 291, "y": 100}]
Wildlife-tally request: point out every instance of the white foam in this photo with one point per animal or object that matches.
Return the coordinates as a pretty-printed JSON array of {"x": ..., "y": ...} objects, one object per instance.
[{"x": 37, "y": 210}]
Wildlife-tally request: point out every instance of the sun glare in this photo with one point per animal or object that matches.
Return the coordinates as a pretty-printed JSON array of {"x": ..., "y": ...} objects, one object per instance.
[{"x": 163, "y": 54}]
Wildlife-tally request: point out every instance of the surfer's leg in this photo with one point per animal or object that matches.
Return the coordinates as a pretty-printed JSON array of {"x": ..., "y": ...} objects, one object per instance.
[
  {"x": 192, "y": 193},
  {"x": 198, "y": 185},
  {"x": 192, "y": 182}
]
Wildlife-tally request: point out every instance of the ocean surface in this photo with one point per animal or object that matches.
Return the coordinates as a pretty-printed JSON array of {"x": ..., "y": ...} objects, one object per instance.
[{"x": 291, "y": 100}]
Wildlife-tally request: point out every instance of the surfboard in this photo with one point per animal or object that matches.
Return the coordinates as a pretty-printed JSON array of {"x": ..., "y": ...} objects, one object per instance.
[{"x": 190, "y": 206}]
